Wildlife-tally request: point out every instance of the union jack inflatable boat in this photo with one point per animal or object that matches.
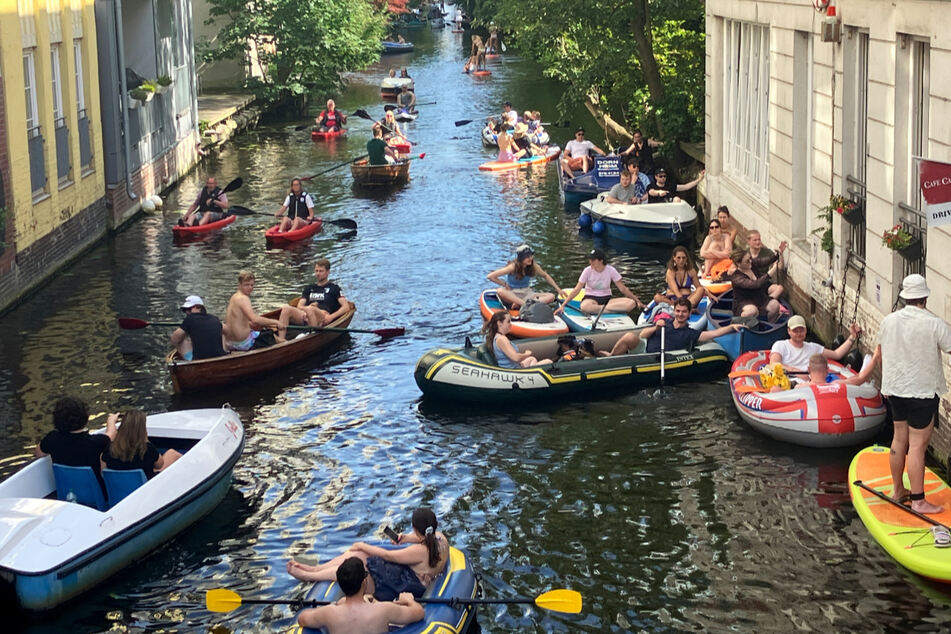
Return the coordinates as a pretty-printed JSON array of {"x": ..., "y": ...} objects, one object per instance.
[{"x": 832, "y": 415}]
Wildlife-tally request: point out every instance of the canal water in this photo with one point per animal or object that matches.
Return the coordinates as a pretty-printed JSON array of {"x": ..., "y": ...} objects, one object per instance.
[{"x": 662, "y": 508}]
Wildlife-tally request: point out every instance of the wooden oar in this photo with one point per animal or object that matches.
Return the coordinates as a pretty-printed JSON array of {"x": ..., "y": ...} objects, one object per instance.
[
  {"x": 335, "y": 167},
  {"x": 895, "y": 502},
  {"x": 566, "y": 601},
  {"x": 240, "y": 210},
  {"x": 133, "y": 323}
]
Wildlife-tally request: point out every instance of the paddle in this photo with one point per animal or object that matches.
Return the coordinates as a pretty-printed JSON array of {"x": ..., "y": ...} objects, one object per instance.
[
  {"x": 566, "y": 601},
  {"x": 335, "y": 167},
  {"x": 393, "y": 106},
  {"x": 739, "y": 373},
  {"x": 240, "y": 210},
  {"x": 133, "y": 323},
  {"x": 663, "y": 332},
  {"x": 895, "y": 502},
  {"x": 553, "y": 124},
  {"x": 600, "y": 312}
]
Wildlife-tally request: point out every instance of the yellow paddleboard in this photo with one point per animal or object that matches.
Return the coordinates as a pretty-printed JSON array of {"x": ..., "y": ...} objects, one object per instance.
[{"x": 906, "y": 537}]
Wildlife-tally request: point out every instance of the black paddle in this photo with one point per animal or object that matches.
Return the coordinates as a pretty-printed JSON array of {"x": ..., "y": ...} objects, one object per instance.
[
  {"x": 230, "y": 187},
  {"x": 335, "y": 167},
  {"x": 239, "y": 210},
  {"x": 895, "y": 502},
  {"x": 132, "y": 323},
  {"x": 600, "y": 312},
  {"x": 554, "y": 124}
]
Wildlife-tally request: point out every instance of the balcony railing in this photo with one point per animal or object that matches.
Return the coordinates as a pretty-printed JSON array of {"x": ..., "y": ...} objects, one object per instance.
[
  {"x": 916, "y": 223},
  {"x": 856, "y": 192}
]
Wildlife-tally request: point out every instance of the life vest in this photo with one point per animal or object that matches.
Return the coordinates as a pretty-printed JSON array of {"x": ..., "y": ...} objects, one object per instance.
[
  {"x": 330, "y": 119},
  {"x": 204, "y": 202},
  {"x": 298, "y": 205}
]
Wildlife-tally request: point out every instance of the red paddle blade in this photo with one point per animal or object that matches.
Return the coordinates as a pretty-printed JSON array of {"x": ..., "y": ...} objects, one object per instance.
[
  {"x": 389, "y": 332},
  {"x": 422, "y": 156},
  {"x": 131, "y": 323}
]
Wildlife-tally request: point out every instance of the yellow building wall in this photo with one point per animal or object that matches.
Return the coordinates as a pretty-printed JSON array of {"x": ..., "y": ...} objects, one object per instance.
[{"x": 37, "y": 218}]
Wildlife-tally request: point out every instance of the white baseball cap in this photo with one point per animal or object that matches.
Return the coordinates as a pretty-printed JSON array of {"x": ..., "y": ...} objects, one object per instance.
[{"x": 192, "y": 300}]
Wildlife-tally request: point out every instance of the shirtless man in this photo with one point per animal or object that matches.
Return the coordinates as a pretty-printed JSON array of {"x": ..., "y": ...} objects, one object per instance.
[
  {"x": 320, "y": 304},
  {"x": 243, "y": 325},
  {"x": 354, "y": 615}
]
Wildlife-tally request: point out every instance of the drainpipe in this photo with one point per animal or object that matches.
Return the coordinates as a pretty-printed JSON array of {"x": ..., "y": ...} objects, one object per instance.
[{"x": 124, "y": 88}]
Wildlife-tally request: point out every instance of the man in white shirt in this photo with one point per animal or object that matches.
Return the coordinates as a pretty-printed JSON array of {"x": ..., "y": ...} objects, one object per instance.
[
  {"x": 576, "y": 155},
  {"x": 910, "y": 342},
  {"x": 794, "y": 352}
]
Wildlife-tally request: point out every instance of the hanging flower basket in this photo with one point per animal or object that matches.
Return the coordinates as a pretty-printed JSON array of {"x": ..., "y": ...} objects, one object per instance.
[
  {"x": 851, "y": 211},
  {"x": 913, "y": 251}
]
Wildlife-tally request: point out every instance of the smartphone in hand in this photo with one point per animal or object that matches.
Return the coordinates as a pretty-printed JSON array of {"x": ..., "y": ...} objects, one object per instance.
[{"x": 389, "y": 532}]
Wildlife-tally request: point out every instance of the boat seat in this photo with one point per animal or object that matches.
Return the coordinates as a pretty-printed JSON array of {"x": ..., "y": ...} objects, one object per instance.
[
  {"x": 82, "y": 483},
  {"x": 486, "y": 355},
  {"x": 121, "y": 482}
]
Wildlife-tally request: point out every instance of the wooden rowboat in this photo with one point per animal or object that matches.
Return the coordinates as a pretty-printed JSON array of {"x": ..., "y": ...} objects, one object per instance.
[
  {"x": 211, "y": 373},
  {"x": 367, "y": 175}
]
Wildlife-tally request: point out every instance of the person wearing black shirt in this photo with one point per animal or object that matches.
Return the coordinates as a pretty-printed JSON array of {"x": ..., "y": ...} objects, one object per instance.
[
  {"x": 70, "y": 443},
  {"x": 199, "y": 336},
  {"x": 320, "y": 304},
  {"x": 664, "y": 189},
  {"x": 678, "y": 335},
  {"x": 643, "y": 150}
]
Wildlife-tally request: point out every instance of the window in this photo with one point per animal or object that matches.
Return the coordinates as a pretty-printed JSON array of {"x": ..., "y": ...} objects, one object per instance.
[
  {"x": 57, "y": 80},
  {"x": 856, "y": 152},
  {"x": 917, "y": 56},
  {"x": 801, "y": 211},
  {"x": 29, "y": 82},
  {"x": 80, "y": 88},
  {"x": 746, "y": 105}
]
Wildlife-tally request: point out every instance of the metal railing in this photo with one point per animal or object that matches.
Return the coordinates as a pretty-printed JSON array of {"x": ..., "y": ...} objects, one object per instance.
[
  {"x": 914, "y": 222},
  {"x": 856, "y": 192}
]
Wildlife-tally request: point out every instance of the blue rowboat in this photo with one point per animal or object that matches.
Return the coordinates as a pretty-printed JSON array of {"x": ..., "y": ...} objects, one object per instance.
[
  {"x": 760, "y": 337},
  {"x": 392, "y": 48},
  {"x": 458, "y": 581},
  {"x": 657, "y": 223},
  {"x": 52, "y": 550},
  {"x": 605, "y": 175}
]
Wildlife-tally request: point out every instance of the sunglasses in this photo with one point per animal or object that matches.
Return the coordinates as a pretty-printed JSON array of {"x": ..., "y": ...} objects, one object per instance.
[{"x": 714, "y": 226}]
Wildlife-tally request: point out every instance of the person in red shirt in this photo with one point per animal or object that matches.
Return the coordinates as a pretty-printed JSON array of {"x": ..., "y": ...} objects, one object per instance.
[{"x": 331, "y": 118}]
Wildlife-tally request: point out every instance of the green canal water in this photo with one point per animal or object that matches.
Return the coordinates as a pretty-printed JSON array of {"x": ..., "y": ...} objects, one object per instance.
[{"x": 663, "y": 509}]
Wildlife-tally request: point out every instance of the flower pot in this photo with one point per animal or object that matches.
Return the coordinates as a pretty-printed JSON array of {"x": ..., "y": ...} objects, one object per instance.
[
  {"x": 855, "y": 217},
  {"x": 132, "y": 103},
  {"x": 913, "y": 251},
  {"x": 161, "y": 90},
  {"x": 149, "y": 96}
]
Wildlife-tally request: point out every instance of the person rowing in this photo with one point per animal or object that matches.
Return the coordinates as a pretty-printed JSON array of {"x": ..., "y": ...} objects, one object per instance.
[
  {"x": 243, "y": 327},
  {"x": 378, "y": 152},
  {"x": 406, "y": 100},
  {"x": 331, "y": 119},
  {"x": 516, "y": 288},
  {"x": 391, "y": 129},
  {"x": 596, "y": 280},
  {"x": 210, "y": 205},
  {"x": 299, "y": 207},
  {"x": 678, "y": 335},
  {"x": 200, "y": 334}
]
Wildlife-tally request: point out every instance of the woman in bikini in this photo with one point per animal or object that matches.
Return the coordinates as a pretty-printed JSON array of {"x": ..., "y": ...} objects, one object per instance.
[
  {"x": 506, "y": 145},
  {"x": 716, "y": 246},
  {"x": 408, "y": 569},
  {"x": 682, "y": 279}
]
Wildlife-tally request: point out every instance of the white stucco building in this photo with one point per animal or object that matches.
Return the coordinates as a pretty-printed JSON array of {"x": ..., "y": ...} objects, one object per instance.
[{"x": 792, "y": 119}]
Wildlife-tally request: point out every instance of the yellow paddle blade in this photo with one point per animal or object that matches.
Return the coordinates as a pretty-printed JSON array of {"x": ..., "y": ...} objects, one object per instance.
[
  {"x": 568, "y": 601},
  {"x": 222, "y": 600}
]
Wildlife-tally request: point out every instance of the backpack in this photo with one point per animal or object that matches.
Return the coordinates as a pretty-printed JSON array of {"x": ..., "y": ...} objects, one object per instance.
[{"x": 536, "y": 312}]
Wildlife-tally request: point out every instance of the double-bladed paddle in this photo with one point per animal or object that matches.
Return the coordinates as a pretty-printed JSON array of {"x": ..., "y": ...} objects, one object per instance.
[
  {"x": 240, "y": 210},
  {"x": 133, "y": 323},
  {"x": 553, "y": 124},
  {"x": 566, "y": 601}
]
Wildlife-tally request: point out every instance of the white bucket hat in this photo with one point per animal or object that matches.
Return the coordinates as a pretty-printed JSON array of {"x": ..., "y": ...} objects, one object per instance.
[{"x": 914, "y": 286}]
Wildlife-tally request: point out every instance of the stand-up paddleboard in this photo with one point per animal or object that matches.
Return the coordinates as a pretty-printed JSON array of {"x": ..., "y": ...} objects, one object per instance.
[
  {"x": 498, "y": 166},
  {"x": 910, "y": 539}
]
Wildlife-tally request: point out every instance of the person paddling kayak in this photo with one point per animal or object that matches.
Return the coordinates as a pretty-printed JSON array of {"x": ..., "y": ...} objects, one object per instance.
[
  {"x": 331, "y": 119},
  {"x": 378, "y": 152},
  {"x": 299, "y": 207},
  {"x": 210, "y": 206}
]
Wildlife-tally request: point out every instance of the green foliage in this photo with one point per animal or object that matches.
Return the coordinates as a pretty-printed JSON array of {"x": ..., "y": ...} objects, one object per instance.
[
  {"x": 139, "y": 94},
  {"x": 826, "y": 242},
  {"x": 164, "y": 80},
  {"x": 203, "y": 125},
  {"x": 148, "y": 86},
  {"x": 302, "y": 46},
  {"x": 610, "y": 50}
]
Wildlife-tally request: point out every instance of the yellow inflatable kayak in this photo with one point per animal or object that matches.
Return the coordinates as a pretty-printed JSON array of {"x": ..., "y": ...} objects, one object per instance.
[{"x": 916, "y": 543}]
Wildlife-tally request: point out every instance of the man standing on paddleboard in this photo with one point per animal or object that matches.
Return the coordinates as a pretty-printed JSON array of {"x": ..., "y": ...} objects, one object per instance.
[{"x": 910, "y": 343}]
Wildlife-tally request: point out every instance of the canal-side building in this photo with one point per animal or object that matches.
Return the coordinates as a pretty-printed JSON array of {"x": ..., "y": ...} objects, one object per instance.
[
  {"x": 51, "y": 167},
  {"x": 802, "y": 105},
  {"x": 152, "y": 141}
]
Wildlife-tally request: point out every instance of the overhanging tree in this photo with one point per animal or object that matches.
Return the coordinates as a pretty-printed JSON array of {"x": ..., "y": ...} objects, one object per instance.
[{"x": 299, "y": 46}]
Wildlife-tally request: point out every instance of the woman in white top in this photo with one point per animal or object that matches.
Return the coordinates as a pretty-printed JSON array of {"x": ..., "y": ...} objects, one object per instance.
[{"x": 299, "y": 207}]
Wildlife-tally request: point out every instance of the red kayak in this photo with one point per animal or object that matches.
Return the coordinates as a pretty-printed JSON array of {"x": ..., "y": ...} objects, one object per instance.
[
  {"x": 274, "y": 239},
  {"x": 402, "y": 148},
  {"x": 180, "y": 231},
  {"x": 317, "y": 135}
]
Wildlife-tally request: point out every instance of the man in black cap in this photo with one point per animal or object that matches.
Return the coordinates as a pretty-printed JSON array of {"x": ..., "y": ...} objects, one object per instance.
[{"x": 664, "y": 188}]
